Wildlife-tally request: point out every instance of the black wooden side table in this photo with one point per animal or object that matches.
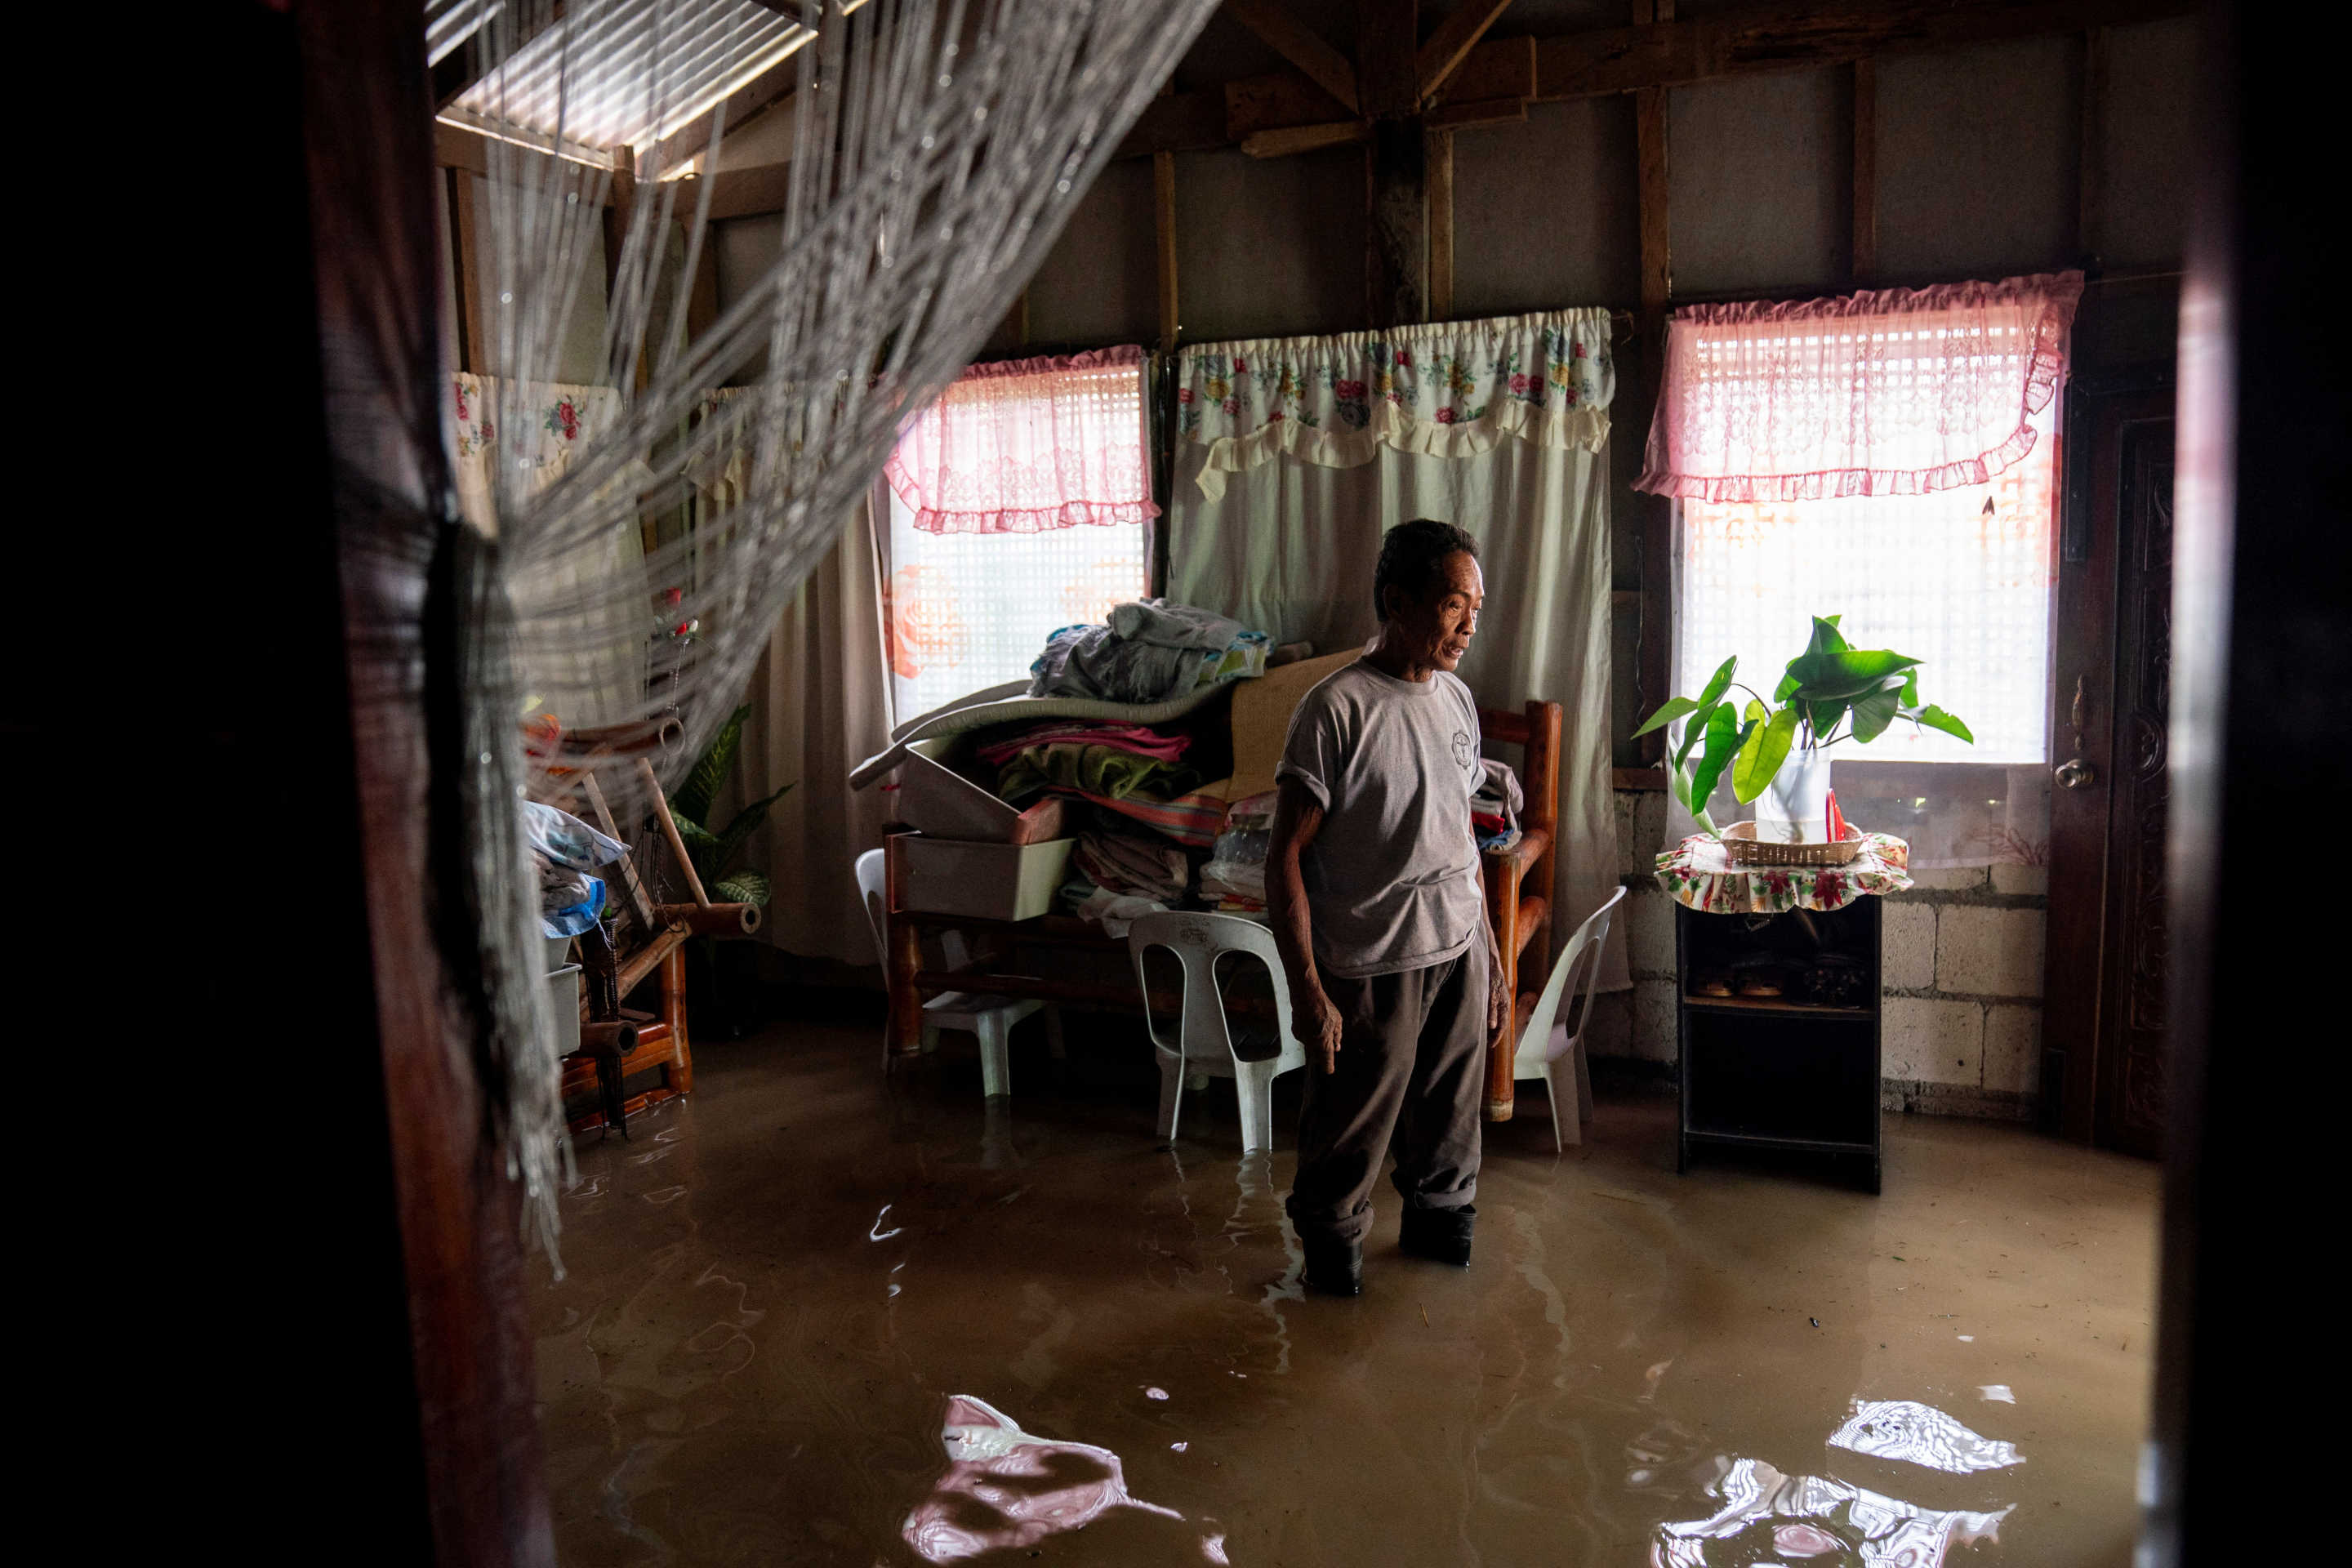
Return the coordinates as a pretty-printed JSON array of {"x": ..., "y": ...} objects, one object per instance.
[{"x": 1798, "y": 1072}]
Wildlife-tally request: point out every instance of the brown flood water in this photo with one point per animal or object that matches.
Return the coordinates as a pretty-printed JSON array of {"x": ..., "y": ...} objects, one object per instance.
[{"x": 812, "y": 1318}]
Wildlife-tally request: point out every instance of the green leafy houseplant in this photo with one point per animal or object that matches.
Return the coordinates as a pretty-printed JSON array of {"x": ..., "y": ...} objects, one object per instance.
[
  {"x": 715, "y": 854},
  {"x": 1828, "y": 684}
]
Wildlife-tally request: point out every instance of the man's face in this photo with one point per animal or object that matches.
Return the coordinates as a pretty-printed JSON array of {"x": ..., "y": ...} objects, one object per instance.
[{"x": 1437, "y": 629}]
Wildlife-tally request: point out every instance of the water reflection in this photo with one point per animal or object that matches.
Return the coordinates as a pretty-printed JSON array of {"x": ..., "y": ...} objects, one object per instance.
[
  {"x": 1770, "y": 1517},
  {"x": 1005, "y": 1489},
  {"x": 1920, "y": 1435}
]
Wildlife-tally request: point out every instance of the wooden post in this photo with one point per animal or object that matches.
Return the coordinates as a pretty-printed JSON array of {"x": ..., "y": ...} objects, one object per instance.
[
  {"x": 1861, "y": 267},
  {"x": 703, "y": 302},
  {"x": 1163, "y": 225},
  {"x": 902, "y": 961},
  {"x": 673, "y": 986},
  {"x": 465, "y": 223},
  {"x": 2091, "y": 189},
  {"x": 1542, "y": 787},
  {"x": 1438, "y": 187},
  {"x": 1388, "y": 89},
  {"x": 341, "y": 219},
  {"x": 1396, "y": 204},
  {"x": 616, "y": 216},
  {"x": 1502, "y": 1053},
  {"x": 1654, "y": 654}
]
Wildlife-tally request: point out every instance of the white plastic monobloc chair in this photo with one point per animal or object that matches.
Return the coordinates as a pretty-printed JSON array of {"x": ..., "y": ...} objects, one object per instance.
[
  {"x": 1549, "y": 1048},
  {"x": 1204, "y": 1042},
  {"x": 989, "y": 1019}
]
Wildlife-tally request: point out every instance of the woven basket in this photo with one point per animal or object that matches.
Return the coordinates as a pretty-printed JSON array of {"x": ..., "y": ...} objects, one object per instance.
[{"x": 1742, "y": 848}]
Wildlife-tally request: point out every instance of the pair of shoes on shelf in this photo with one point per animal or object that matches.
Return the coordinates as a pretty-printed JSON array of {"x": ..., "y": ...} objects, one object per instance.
[{"x": 1442, "y": 1236}]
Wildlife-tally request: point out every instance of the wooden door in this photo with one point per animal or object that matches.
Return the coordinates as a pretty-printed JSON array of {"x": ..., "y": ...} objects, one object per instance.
[{"x": 2103, "y": 988}]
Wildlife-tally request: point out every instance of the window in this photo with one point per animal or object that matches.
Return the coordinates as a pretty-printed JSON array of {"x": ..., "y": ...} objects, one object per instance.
[
  {"x": 1015, "y": 508},
  {"x": 1890, "y": 459},
  {"x": 966, "y": 611},
  {"x": 1959, "y": 579}
]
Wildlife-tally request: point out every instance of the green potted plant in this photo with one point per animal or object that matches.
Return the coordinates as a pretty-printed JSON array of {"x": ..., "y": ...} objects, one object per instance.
[
  {"x": 1775, "y": 750},
  {"x": 715, "y": 855}
]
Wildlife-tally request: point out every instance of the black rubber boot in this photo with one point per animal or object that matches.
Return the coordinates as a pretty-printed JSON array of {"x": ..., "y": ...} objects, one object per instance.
[
  {"x": 1334, "y": 1268},
  {"x": 1442, "y": 1236}
]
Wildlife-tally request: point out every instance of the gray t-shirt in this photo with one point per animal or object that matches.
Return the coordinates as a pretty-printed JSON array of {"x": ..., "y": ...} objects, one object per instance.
[{"x": 1392, "y": 877}]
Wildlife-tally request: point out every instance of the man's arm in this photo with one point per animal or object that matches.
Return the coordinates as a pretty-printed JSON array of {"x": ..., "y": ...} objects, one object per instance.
[{"x": 1313, "y": 1019}]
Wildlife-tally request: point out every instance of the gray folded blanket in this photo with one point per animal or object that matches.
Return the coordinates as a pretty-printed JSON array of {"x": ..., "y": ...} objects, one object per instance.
[{"x": 1168, "y": 624}]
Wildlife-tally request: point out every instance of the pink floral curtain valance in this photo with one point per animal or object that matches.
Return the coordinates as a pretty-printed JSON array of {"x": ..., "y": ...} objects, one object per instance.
[
  {"x": 1892, "y": 392},
  {"x": 1025, "y": 446}
]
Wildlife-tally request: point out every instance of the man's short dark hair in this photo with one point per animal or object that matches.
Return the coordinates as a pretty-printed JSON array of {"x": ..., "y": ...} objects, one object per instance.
[{"x": 1410, "y": 553}]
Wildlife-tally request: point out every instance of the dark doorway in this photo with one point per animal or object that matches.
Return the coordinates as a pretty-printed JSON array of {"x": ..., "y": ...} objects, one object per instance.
[{"x": 2104, "y": 1016}]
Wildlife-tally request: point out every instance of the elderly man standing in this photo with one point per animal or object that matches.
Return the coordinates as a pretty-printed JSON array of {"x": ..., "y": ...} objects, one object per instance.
[{"x": 1372, "y": 885}]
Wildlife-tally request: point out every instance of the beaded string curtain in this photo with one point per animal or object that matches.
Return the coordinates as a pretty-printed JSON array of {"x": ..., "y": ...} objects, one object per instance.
[{"x": 939, "y": 147}]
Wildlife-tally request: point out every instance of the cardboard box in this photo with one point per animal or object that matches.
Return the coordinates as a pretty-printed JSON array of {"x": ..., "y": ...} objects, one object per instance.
[
  {"x": 938, "y": 802},
  {"x": 989, "y": 881}
]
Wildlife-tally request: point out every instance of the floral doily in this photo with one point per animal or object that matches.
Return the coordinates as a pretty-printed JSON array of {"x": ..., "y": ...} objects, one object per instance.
[{"x": 1699, "y": 874}]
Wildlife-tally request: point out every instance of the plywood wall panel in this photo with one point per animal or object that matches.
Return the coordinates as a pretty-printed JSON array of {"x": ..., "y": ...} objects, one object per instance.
[
  {"x": 1545, "y": 215},
  {"x": 1271, "y": 247},
  {"x": 2145, "y": 126},
  {"x": 1757, "y": 172},
  {"x": 1099, "y": 284},
  {"x": 1978, "y": 151}
]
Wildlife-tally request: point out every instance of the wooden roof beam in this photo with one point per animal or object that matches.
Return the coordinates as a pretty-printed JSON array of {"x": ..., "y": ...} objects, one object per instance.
[
  {"x": 761, "y": 93},
  {"x": 1797, "y": 33},
  {"x": 1451, "y": 45},
  {"x": 1766, "y": 38},
  {"x": 1304, "y": 48}
]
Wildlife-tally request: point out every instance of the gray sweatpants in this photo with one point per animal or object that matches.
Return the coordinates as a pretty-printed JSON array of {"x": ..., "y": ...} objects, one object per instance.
[{"x": 1412, "y": 1068}]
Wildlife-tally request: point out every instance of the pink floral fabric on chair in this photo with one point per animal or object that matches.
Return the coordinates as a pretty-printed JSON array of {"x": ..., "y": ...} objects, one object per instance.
[
  {"x": 1891, "y": 392},
  {"x": 1025, "y": 445}
]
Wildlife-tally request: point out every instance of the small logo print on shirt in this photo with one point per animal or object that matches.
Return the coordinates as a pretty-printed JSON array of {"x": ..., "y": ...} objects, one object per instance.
[{"x": 1465, "y": 751}]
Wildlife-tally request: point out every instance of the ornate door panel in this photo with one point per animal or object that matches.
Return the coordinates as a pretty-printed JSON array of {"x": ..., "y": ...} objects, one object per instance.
[
  {"x": 2104, "y": 985},
  {"x": 2131, "y": 1095}
]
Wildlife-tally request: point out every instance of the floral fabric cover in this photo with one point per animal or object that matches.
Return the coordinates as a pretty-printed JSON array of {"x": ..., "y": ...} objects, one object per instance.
[
  {"x": 1698, "y": 874},
  {"x": 1446, "y": 390},
  {"x": 559, "y": 421}
]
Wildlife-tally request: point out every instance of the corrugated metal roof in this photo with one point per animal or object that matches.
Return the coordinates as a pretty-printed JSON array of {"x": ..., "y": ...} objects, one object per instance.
[{"x": 609, "y": 74}]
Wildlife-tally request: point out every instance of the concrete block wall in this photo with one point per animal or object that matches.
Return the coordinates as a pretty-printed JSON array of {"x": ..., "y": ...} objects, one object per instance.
[{"x": 1960, "y": 1031}]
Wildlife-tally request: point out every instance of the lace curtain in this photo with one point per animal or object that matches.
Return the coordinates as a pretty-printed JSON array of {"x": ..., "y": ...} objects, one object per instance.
[
  {"x": 1895, "y": 392},
  {"x": 1030, "y": 446},
  {"x": 1452, "y": 390}
]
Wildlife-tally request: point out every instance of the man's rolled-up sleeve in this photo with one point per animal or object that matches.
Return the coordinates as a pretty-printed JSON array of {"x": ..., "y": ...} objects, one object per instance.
[{"x": 1310, "y": 751}]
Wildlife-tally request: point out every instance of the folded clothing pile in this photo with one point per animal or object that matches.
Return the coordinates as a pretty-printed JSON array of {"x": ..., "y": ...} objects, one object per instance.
[
  {"x": 1150, "y": 651},
  {"x": 566, "y": 851},
  {"x": 1090, "y": 770},
  {"x": 1110, "y": 760},
  {"x": 1120, "y": 873},
  {"x": 1124, "y": 860},
  {"x": 1234, "y": 875},
  {"x": 1495, "y": 809}
]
